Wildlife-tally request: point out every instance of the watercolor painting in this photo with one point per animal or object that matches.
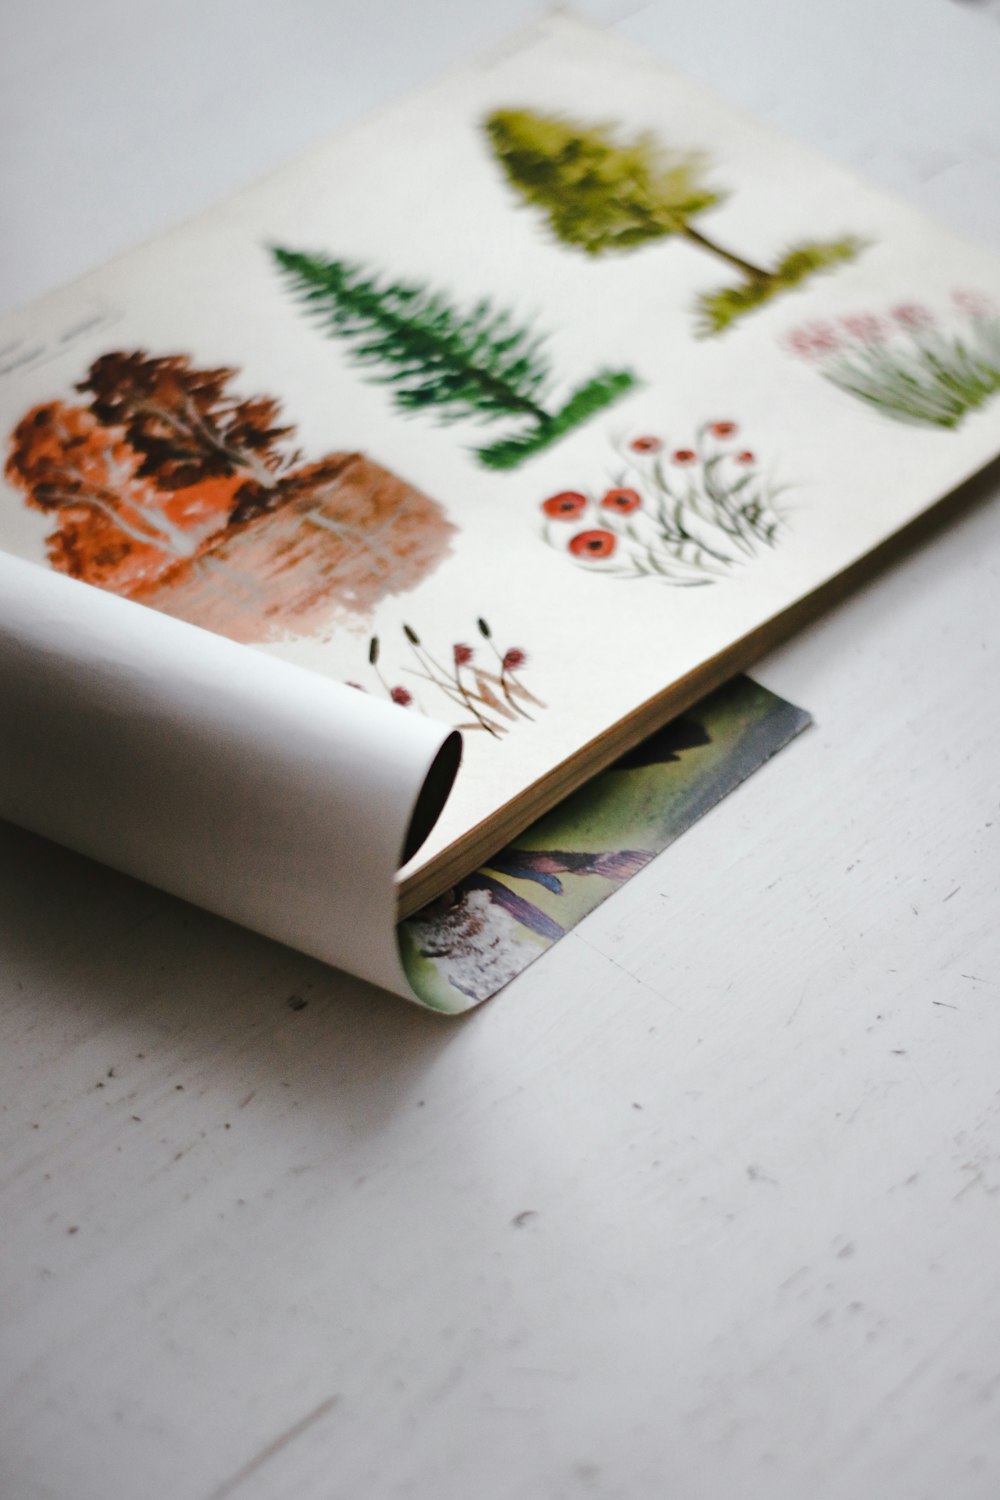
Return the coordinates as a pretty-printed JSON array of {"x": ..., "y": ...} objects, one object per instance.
[
  {"x": 492, "y": 693},
  {"x": 214, "y": 452},
  {"x": 168, "y": 488},
  {"x": 449, "y": 362},
  {"x": 603, "y": 194},
  {"x": 687, "y": 515},
  {"x": 461, "y": 949},
  {"x": 911, "y": 364}
]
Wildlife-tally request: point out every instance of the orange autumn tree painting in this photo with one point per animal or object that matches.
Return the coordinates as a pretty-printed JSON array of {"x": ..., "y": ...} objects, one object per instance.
[{"x": 170, "y": 489}]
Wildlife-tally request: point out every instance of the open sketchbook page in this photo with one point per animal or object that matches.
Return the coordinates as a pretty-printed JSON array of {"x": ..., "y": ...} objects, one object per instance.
[{"x": 518, "y": 404}]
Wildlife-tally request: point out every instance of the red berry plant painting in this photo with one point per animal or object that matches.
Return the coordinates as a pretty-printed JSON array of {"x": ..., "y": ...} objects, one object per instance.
[
  {"x": 912, "y": 364},
  {"x": 483, "y": 682},
  {"x": 165, "y": 486},
  {"x": 687, "y": 515}
]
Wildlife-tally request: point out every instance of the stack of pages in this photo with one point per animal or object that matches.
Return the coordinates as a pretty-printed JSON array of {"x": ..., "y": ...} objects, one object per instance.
[{"x": 352, "y": 528}]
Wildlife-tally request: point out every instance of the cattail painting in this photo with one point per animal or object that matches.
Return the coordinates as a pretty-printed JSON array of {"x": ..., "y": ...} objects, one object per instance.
[{"x": 483, "y": 683}]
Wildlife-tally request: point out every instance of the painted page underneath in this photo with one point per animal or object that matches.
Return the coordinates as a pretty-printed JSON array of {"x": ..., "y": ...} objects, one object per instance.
[
  {"x": 514, "y": 406},
  {"x": 467, "y": 945}
]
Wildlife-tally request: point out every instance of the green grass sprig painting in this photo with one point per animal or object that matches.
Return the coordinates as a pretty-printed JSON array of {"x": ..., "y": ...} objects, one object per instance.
[
  {"x": 603, "y": 193},
  {"x": 717, "y": 310},
  {"x": 451, "y": 362},
  {"x": 911, "y": 365}
]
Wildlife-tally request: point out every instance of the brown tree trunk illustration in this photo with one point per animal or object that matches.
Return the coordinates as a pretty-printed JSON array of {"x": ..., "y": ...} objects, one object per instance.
[
  {"x": 347, "y": 534},
  {"x": 745, "y": 267}
]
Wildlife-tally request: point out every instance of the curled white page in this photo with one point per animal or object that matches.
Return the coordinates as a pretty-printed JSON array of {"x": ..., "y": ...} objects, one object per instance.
[{"x": 264, "y": 792}]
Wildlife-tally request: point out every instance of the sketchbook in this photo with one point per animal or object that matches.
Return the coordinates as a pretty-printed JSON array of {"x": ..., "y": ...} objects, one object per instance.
[{"x": 498, "y": 430}]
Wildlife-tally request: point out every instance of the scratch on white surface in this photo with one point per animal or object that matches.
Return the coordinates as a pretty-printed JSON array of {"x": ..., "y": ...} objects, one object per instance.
[
  {"x": 798, "y": 1006},
  {"x": 231, "y": 1485},
  {"x": 577, "y": 937},
  {"x": 977, "y": 1177}
]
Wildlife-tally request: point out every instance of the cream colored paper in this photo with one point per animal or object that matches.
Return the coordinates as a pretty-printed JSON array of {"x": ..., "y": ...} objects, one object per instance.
[{"x": 415, "y": 194}]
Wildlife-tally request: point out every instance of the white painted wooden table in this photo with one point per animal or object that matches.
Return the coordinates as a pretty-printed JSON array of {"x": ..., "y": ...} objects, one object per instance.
[{"x": 707, "y": 1205}]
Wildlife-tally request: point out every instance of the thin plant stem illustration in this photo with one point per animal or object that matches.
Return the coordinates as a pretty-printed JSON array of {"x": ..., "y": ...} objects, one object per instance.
[
  {"x": 511, "y": 662},
  {"x": 451, "y": 682},
  {"x": 492, "y": 699},
  {"x": 401, "y": 696}
]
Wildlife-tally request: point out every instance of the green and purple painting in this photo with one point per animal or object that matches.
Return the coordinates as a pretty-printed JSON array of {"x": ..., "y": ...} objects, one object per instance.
[{"x": 480, "y": 935}]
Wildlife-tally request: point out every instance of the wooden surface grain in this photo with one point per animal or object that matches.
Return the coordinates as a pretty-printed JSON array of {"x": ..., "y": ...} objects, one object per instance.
[{"x": 707, "y": 1203}]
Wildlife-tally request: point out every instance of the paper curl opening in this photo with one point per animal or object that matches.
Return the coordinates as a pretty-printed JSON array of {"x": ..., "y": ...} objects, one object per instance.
[{"x": 433, "y": 795}]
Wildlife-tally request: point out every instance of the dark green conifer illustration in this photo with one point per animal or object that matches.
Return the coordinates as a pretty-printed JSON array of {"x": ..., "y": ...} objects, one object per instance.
[
  {"x": 457, "y": 364},
  {"x": 601, "y": 193}
]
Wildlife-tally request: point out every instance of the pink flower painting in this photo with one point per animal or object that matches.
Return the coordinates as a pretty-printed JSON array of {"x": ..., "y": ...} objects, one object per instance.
[{"x": 911, "y": 364}]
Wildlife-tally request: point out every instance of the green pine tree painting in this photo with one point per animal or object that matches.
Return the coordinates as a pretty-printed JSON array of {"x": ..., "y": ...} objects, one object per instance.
[
  {"x": 436, "y": 357},
  {"x": 601, "y": 193}
]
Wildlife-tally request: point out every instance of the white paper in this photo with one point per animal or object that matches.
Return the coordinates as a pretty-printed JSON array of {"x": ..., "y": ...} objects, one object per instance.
[{"x": 259, "y": 790}]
